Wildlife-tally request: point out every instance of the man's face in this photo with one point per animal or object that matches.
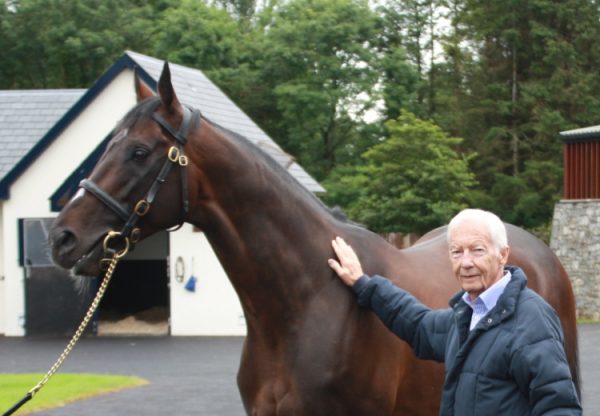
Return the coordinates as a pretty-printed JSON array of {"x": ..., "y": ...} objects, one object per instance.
[{"x": 476, "y": 262}]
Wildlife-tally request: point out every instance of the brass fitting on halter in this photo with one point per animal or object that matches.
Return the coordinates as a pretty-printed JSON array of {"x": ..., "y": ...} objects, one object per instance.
[
  {"x": 135, "y": 235},
  {"x": 115, "y": 246},
  {"x": 176, "y": 156},
  {"x": 142, "y": 207}
]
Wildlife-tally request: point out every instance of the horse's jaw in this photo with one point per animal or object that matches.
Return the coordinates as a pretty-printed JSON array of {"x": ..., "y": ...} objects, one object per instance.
[
  {"x": 71, "y": 253},
  {"x": 89, "y": 263}
]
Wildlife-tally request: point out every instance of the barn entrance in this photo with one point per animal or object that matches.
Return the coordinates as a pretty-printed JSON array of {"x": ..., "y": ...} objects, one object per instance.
[
  {"x": 137, "y": 299},
  {"x": 55, "y": 302}
]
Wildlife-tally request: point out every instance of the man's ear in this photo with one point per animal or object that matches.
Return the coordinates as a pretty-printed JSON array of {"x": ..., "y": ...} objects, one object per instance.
[
  {"x": 142, "y": 91},
  {"x": 504, "y": 253}
]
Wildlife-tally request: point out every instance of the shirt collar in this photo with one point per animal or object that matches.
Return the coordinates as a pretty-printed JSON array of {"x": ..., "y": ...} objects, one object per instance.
[{"x": 490, "y": 296}]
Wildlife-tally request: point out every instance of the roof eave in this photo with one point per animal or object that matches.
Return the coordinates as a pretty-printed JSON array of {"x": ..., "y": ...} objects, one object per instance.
[
  {"x": 124, "y": 62},
  {"x": 579, "y": 135}
]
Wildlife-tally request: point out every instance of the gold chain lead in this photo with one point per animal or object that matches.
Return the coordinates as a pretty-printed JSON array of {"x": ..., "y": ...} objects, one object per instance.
[{"x": 82, "y": 325}]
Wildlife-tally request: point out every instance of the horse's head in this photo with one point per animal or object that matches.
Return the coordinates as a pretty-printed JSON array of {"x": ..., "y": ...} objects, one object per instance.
[{"x": 137, "y": 186}]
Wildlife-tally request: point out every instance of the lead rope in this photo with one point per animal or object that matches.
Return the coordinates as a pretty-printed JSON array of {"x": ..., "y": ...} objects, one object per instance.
[{"x": 86, "y": 319}]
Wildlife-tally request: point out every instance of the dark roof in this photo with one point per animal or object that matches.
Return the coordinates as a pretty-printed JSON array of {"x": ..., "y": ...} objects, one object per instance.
[
  {"x": 25, "y": 116},
  {"x": 591, "y": 133},
  {"x": 193, "y": 89}
]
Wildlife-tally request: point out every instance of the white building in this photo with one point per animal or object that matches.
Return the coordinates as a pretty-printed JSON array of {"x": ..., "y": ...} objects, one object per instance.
[{"x": 49, "y": 141}]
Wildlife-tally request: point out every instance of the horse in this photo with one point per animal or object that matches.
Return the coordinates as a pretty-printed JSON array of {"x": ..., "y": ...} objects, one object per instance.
[{"x": 309, "y": 349}]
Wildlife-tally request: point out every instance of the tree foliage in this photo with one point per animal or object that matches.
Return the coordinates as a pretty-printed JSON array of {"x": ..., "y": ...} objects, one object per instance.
[
  {"x": 206, "y": 37},
  {"x": 318, "y": 59},
  {"x": 411, "y": 182},
  {"x": 386, "y": 105},
  {"x": 66, "y": 44}
]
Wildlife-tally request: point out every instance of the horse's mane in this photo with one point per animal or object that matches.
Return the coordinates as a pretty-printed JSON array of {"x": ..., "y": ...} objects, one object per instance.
[{"x": 278, "y": 170}]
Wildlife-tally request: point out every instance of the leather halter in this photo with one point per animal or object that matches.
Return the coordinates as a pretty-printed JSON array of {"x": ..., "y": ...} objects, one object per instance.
[{"x": 129, "y": 233}]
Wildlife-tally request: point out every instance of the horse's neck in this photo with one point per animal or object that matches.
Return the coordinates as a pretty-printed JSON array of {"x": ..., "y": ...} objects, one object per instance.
[{"x": 269, "y": 236}]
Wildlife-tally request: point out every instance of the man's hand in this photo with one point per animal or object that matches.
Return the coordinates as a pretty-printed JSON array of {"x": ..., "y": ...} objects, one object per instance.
[{"x": 348, "y": 268}]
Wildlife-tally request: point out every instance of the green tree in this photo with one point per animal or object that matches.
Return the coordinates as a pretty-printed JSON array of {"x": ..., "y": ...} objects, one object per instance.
[
  {"x": 410, "y": 33},
  {"x": 534, "y": 78},
  {"x": 527, "y": 199},
  {"x": 411, "y": 182},
  {"x": 318, "y": 64},
  {"x": 516, "y": 73},
  {"x": 400, "y": 78},
  {"x": 197, "y": 35},
  {"x": 58, "y": 44}
]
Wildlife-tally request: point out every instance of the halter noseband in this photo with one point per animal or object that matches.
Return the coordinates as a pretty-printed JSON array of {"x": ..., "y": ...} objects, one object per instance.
[{"x": 129, "y": 233}]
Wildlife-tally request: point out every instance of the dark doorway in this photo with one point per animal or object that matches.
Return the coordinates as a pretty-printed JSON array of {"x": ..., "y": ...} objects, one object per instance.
[
  {"x": 137, "y": 299},
  {"x": 55, "y": 301},
  {"x": 53, "y": 305}
]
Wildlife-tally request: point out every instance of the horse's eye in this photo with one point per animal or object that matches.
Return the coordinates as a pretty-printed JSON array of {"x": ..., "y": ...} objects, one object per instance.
[{"x": 140, "y": 154}]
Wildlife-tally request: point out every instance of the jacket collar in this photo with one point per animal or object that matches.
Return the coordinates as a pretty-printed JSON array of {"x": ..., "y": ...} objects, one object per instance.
[
  {"x": 509, "y": 298},
  {"x": 505, "y": 308}
]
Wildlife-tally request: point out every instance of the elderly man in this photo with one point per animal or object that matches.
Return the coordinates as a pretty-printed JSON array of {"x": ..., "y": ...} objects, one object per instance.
[{"x": 501, "y": 343}]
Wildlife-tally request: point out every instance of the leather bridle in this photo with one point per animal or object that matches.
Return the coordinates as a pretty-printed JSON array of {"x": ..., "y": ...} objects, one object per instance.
[{"x": 120, "y": 241}]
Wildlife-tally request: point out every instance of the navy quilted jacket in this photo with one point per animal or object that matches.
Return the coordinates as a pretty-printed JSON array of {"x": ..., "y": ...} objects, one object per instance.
[{"x": 512, "y": 363}]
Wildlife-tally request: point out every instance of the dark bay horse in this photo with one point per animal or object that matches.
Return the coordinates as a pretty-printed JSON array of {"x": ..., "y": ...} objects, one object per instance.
[{"x": 309, "y": 350}]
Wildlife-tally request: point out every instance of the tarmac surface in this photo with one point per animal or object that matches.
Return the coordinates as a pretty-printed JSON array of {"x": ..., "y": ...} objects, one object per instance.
[{"x": 189, "y": 375}]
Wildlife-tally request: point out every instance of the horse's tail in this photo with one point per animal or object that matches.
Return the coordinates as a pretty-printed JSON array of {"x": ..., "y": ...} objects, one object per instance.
[
  {"x": 568, "y": 317},
  {"x": 570, "y": 329},
  {"x": 573, "y": 358}
]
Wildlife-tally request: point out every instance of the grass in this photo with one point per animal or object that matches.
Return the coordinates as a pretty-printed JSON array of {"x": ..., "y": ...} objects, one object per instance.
[
  {"x": 588, "y": 321},
  {"x": 60, "y": 390}
]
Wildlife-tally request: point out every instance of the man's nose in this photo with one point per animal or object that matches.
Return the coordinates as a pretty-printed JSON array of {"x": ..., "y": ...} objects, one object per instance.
[{"x": 466, "y": 260}]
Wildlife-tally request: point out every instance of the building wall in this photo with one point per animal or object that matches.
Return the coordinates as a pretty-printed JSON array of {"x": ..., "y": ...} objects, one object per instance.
[
  {"x": 30, "y": 193},
  {"x": 582, "y": 170},
  {"x": 576, "y": 241},
  {"x": 2, "y": 274},
  {"x": 213, "y": 308}
]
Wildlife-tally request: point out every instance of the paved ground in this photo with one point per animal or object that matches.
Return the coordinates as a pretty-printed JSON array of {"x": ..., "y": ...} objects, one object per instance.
[{"x": 189, "y": 376}]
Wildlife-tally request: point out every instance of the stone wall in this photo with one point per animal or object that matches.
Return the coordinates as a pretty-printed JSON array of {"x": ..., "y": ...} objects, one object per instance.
[{"x": 576, "y": 241}]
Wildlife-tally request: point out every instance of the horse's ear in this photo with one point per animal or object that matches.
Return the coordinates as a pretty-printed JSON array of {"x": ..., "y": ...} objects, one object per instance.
[
  {"x": 167, "y": 93},
  {"x": 142, "y": 91}
]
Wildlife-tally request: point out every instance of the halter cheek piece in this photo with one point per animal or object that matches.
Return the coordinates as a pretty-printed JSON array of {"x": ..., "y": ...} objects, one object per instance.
[{"x": 118, "y": 242}]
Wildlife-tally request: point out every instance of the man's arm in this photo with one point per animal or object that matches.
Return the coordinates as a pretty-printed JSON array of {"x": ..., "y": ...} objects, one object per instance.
[
  {"x": 541, "y": 369},
  {"x": 423, "y": 329}
]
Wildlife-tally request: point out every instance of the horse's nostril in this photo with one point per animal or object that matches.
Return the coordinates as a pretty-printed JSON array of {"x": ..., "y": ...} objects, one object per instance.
[{"x": 63, "y": 242}]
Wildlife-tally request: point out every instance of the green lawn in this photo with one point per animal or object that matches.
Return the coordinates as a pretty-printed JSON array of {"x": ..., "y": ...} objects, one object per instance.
[{"x": 60, "y": 390}]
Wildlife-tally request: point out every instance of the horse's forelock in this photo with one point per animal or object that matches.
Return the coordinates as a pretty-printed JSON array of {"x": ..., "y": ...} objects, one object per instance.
[{"x": 143, "y": 110}]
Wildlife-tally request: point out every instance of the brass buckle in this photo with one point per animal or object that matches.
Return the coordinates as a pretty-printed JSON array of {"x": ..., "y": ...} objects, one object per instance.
[
  {"x": 118, "y": 253},
  {"x": 142, "y": 207},
  {"x": 183, "y": 160},
  {"x": 173, "y": 154}
]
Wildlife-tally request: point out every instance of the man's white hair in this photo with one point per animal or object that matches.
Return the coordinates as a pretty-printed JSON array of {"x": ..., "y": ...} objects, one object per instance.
[{"x": 495, "y": 225}]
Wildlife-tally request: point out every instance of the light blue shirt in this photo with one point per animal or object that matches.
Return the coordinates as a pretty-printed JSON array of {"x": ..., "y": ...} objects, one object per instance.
[{"x": 487, "y": 300}]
